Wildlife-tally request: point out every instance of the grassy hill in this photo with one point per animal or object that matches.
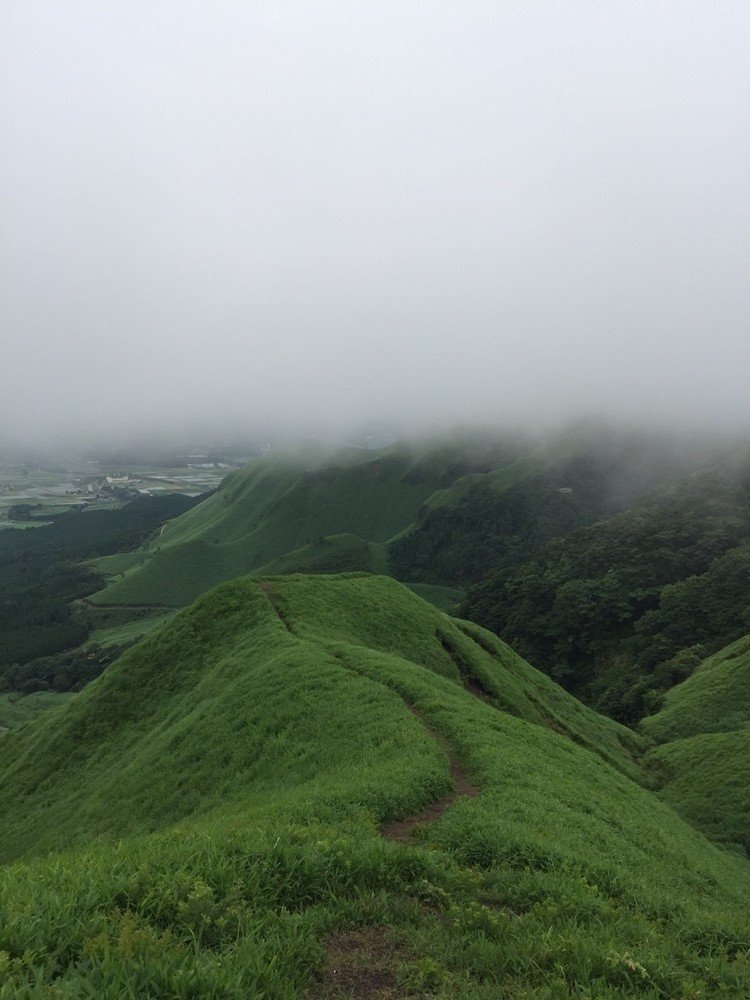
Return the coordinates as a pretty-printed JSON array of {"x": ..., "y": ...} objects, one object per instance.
[
  {"x": 715, "y": 698},
  {"x": 288, "y": 515},
  {"x": 435, "y": 513},
  {"x": 259, "y": 799},
  {"x": 702, "y": 765},
  {"x": 706, "y": 778}
]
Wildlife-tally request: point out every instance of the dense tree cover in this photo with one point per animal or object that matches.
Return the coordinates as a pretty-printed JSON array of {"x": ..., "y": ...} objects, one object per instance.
[
  {"x": 40, "y": 573},
  {"x": 485, "y": 530},
  {"x": 490, "y": 530},
  {"x": 31, "y": 512},
  {"x": 702, "y": 607},
  {"x": 35, "y": 614},
  {"x": 67, "y": 671},
  {"x": 623, "y": 609}
]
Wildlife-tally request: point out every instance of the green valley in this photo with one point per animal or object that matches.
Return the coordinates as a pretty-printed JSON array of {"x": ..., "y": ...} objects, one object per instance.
[
  {"x": 374, "y": 501},
  {"x": 278, "y": 749}
]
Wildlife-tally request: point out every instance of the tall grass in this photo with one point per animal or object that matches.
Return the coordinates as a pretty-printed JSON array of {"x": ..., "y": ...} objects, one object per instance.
[{"x": 201, "y": 817}]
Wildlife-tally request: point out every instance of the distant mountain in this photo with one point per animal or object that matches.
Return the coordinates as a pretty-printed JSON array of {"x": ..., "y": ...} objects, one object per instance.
[
  {"x": 297, "y": 513},
  {"x": 613, "y": 560},
  {"x": 317, "y": 786},
  {"x": 489, "y": 521},
  {"x": 621, "y": 610},
  {"x": 444, "y": 514}
]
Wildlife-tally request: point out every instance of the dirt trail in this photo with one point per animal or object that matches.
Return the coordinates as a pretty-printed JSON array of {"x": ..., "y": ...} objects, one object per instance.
[
  {"x": 362, "y": 962},
  {"x": 128, "y": 607},
  {"x": 471, "y": 683},
  {"x": 267, "y": 587},
  {"x": 401, "y": 830}
]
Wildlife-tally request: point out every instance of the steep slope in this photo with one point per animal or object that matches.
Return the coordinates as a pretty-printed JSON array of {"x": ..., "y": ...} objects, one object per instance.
[
  {"x": 714, "y": 699},
  {"x": 489, "y": 521},
  {"x": 224, "y": 785},
  {"x": 611, "y": 610},
  {"x": 706, "y": 778},
  {"x": 284, "y": 512},
  {"x": 702, "y": 766}
]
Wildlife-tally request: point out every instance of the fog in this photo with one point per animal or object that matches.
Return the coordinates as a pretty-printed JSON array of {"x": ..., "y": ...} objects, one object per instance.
[{"x": 235, "y": 217}]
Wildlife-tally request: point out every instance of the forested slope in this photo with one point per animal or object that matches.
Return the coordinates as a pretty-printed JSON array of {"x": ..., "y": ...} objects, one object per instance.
[
  {"x": 630, "y": 605},
  {"x": 487, "y": 522},
  {"x": 43, "y": 571}
]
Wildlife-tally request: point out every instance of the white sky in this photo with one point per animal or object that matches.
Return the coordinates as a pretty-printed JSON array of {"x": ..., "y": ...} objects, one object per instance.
[{"x": 232, "y": 214}]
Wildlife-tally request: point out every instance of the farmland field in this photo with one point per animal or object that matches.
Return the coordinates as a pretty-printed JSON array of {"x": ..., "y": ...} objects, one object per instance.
[{"x": 52, "y": 491}]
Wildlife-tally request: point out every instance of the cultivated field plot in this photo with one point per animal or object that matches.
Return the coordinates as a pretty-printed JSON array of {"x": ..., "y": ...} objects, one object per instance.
[{"x": 46, "y": 492}]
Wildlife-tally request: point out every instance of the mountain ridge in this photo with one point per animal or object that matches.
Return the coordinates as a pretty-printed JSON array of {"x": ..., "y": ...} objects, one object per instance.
[{"x": 217, "y": 798}]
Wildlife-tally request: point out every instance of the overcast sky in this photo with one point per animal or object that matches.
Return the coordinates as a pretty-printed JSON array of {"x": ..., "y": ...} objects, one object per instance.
[{"x": 233, "y": 214}]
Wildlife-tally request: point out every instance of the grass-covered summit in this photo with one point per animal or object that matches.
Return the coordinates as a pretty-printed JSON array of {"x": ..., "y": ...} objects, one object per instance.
[{"x": 219, "y": 808}]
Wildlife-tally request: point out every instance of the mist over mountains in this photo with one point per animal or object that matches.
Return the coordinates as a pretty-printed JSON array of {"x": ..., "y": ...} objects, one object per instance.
[
  {"x": 374, "y": 500},
  {"x": 256, "y": 219}
]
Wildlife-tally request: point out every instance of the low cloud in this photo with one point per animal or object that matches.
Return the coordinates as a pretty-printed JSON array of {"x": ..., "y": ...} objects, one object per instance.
[{"x": 233, "y": 217}]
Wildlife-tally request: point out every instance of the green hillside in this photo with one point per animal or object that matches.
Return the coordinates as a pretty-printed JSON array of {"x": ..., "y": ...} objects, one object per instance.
[
  {"x": 330, "y": 554},
  {"x": 288, "y": 515},
  {"x": 437, "y": 513},
  {"x": 487, "y": 522},
  {"x": 702, "y": 766},
  {"x": 714, "y": 699},
  {"x": 706, "y": 778},
  {"x": 445, "y": 511},
  {"x": 256, "y": 801},
  {"x": 497, "y": 480},
  {"x": 615, "y": 610}
]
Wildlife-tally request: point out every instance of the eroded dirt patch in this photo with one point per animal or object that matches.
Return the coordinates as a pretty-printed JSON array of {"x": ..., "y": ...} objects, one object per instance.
[
  {"x": 473, "y": 686},
  {"x": 361, "y": 964}
]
